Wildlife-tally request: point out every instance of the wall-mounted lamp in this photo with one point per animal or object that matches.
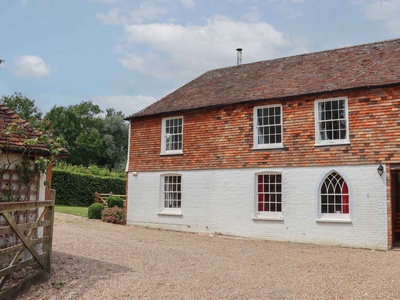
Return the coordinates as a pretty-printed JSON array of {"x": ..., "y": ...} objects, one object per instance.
[
  {"x": 134, "y": 173},
  {"x": 380, "y": 170}
]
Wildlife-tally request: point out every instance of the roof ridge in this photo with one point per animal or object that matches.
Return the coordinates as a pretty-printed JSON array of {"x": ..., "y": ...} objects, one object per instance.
[
  {"x": 349, "y": 67},
  {"x": 13, "y": 114},
  {"x": 307, "y": 54}
]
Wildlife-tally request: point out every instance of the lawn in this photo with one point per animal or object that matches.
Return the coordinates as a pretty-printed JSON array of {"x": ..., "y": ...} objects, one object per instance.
[{"x": 72, "y": 210}]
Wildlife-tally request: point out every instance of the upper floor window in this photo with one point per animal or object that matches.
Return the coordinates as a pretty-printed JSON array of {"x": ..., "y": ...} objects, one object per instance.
[
  {"x": 268, "y": 195},
  {"x": 268, "y": 127},
  {"x": 334, "y": 196},
  {"x": 331, "y": 121},
  {"x": 172, "y": 135}
]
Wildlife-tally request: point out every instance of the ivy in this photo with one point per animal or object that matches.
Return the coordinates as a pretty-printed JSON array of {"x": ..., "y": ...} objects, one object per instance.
[{"x": 36, "y": 148}]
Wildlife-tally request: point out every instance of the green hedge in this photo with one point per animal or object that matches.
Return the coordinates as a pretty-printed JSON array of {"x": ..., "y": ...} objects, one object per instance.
[{"x": 74, "y": 189}]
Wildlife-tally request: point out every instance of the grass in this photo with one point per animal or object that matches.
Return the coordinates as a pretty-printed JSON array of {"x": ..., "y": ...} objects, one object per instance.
[{"x": 72, "y": 210}]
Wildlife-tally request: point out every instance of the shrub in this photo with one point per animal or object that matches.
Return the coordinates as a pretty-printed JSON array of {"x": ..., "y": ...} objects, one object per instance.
[
  {"x": 94, "y": 211},
  {"x": 75, "y": 189},
  {"x": 115, "y": 201},
  {"x": 113, "y": 215},
  {"x": 90, "y": 170}
]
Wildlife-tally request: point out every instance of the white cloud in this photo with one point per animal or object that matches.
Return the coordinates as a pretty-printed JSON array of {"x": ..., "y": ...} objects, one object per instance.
[
  {"x": 31, "y": 66},
  {"x": 127, "y": 104},
  {"x": 109, "y": 1},
  {"x": 145, "y": 12},
  {"x": 187, "y": 51},
  {"x": 385, "y": 12},
  {"x": 253, "y": 14},
  {"x": 190, "y": 4},
  {"x": 111, "y": 17}
]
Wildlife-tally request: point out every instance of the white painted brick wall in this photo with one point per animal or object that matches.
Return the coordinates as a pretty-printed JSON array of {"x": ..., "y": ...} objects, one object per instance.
[{"x": 223, "y": 201}]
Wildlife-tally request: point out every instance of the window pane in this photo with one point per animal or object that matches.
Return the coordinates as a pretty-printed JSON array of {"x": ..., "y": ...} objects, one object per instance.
[
  {"x": 269, "y": 127},
  {"x": 173, "y": 134},
  {"x": 334, "y": 195},
  {"x": 269, "y": 192},
  {"x": 172, "y": 191},
  {"x": 332, "y": 120},
  {"x": 271, "y": 111}
]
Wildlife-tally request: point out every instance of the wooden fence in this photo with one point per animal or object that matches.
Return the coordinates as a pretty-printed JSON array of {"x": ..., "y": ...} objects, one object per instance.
[
  {"x": 26, "y": 235},
  {"x": 102, "y": 198}
]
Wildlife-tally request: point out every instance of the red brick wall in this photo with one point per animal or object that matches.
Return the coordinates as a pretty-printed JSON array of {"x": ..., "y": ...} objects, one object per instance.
[{"x": 223, "y": 137}]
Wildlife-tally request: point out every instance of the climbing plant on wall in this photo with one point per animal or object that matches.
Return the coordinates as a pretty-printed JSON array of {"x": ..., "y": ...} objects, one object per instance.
[{"x": 25, "y": 153}]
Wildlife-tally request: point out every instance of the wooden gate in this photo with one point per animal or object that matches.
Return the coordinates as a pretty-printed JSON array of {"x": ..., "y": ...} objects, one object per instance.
[
  {"x": 26, "y": 231},
  {"x": 102, "y": 198}
]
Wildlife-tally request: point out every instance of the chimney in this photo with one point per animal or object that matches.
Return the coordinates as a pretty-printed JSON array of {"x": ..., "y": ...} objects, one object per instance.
[{"x": 239, "y": 56}]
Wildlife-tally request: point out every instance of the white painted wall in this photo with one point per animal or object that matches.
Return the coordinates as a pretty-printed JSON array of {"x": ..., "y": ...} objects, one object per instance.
[{"x": 223, "y": 201}]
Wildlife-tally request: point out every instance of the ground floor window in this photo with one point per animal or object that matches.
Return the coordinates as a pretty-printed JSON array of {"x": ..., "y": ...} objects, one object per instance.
[
  {"x": 172, "y": 191},
  {"x": 269, "y": 193},
  {"x": 334, "y": 195}
]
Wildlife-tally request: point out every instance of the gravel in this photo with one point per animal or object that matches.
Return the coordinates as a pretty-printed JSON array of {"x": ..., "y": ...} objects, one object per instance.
[{"x": 97, "y": 260}]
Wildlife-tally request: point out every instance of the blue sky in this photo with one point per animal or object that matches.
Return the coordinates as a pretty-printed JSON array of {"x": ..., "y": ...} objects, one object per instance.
[{"x": 127, "y": 54}]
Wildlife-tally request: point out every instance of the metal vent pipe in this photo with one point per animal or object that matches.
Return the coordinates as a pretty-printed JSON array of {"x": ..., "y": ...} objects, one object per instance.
[{"x": 239, "y": 56}]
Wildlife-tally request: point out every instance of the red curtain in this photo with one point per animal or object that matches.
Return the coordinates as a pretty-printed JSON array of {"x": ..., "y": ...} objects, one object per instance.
[
  {"x": 260, "y": 192},
  {"x": 345, "y": 198}
]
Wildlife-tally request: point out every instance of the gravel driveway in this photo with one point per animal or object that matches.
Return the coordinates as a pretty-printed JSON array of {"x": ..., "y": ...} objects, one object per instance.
[{"x": 96, "y": 260}]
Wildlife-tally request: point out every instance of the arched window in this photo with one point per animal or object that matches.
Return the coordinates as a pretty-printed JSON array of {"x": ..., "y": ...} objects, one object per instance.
[{"x": 334, "y": 195}]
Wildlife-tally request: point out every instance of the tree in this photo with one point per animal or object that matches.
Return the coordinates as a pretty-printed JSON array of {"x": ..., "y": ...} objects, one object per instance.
[
  {"x": 115, "y": 140},
  {"x": 80, "y": 125},
  {"x": 92, "y": 138},
  {"x": 24, "y": 107}
]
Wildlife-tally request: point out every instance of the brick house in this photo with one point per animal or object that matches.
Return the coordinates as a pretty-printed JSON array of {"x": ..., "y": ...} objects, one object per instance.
[{"x": 301, "y": 149}]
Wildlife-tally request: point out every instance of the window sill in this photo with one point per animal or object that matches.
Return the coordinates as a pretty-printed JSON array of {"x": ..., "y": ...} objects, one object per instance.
[
  {"x": 170, "y": 213},
  {"x": 171, "y": 153},
  {"x": 265, "y": 218},
  {"x": 333, "y": 220},
  {"x": 332, "y": 143},
  {"x": 267, "y": 147}
]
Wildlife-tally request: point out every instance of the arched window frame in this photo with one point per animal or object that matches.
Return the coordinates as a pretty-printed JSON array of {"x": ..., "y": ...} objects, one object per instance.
[{"x": 340, "y": 212}]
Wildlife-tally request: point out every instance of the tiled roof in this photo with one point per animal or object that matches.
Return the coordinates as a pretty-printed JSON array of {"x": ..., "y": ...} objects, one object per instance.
[
  {"x": 16, "y": 142},
  {"x": 360, "y": 66}
]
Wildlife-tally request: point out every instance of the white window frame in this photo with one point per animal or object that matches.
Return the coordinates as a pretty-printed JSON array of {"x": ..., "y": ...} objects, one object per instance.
[
  {"x": 318, "y": 140},
  {"x": 171, "y": 211},
  {"x": 267, "y": 215},
  {"x": 338, "y": 217},
  {"x": 256, "y": 144},
  {"x": 164, "y": 150}
]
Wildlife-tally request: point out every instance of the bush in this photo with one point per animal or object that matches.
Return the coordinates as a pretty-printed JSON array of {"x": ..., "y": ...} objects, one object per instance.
[
  {"x": 90, "y": 170},
  {"x": 113, "y": 215},
  {"x": 73, "y": 189},
  {"x": 115, "y": 201},
  {"x": 95, "y": 211}
]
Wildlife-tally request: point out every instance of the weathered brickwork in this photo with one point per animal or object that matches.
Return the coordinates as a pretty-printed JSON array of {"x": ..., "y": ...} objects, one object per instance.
[{"x": 222, "y": 138}]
